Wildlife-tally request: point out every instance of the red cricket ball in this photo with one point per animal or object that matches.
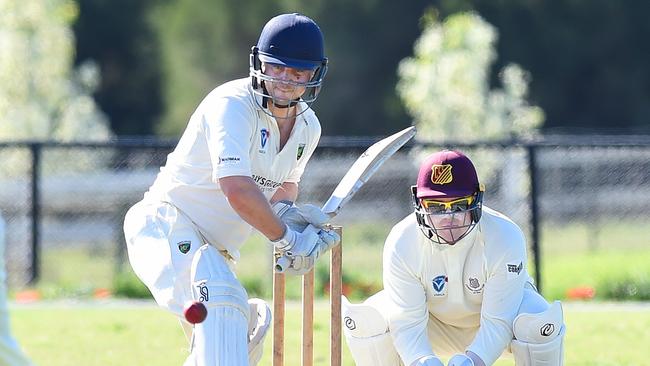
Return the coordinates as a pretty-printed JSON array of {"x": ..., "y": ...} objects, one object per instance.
[{"x": 195, "y": 312}]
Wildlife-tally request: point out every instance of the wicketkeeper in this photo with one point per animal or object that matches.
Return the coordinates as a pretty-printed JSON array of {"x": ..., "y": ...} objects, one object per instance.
[
  {"x": 455, "y": 284},
  {"x": 236, "y": 168}
]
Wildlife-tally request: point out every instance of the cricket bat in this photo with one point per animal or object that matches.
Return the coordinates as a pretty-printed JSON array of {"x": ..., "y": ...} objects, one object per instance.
[{"x": 360, "y": 172}]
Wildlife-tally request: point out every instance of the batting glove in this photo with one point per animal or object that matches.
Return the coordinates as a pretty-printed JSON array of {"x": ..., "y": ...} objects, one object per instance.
[
  {"x": 299, "y": 217},
  {"x": 298, "y": 251}
]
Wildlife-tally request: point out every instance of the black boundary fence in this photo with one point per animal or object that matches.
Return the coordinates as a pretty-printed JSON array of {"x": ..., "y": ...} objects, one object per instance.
[{"x": 540, "y": 163}]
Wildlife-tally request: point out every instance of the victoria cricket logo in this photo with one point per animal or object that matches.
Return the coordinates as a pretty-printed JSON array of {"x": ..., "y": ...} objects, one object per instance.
[
  {"x": 438, "y": 284},
  {"x": 264, "y": 135},
  {"x": 349, "y": 323},
  {"x": 203, "y": 290},
  {"x": 441, "y": 174}
]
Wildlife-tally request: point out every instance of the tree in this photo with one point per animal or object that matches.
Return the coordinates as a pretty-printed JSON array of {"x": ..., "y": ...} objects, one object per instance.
[
  {"x": 445, "y": 85},
  {"x": 446, "y": 88},
  {"x": 119, "y": 37},
  {"x": 42, "y": 96}
]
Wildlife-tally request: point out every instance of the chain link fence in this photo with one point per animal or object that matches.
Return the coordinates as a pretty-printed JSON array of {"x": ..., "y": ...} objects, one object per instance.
[{"x": 64, "y": 203}]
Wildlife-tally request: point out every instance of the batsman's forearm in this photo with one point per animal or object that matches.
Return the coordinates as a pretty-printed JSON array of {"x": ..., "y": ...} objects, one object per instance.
[
  {"x": 251, "y": 205},
  {"x": 288, "y": 191}
]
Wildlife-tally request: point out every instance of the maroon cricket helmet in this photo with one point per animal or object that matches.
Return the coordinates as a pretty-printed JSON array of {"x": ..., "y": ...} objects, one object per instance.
[{"x": 447, "y": 173}]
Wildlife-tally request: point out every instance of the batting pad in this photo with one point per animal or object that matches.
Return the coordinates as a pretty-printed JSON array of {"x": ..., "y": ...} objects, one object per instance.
[{"x": 222, "y": 338}]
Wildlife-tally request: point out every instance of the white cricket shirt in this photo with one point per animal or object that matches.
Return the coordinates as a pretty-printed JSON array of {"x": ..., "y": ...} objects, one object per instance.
[
  {"x": 479, "y": 281},
  {"x": 229, "y": 135}
]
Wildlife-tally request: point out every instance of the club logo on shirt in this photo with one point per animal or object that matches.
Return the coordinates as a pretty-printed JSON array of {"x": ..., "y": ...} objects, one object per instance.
[
  {"x": 439, "y": 285},
  {"x": 474, "y": 285},
  {"x": 264, "y": 137},
  {"x": 441, "y": 174},
  {"x": 301, "y": 150},
  {"x": 184, "y": 246}
]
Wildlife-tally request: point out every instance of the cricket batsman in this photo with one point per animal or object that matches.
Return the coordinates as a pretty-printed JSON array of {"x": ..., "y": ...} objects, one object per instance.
[
  {"x": 455, "y": 284},
  {"x": 236, "y": 169},
  {"x": 10, "y": 352}
]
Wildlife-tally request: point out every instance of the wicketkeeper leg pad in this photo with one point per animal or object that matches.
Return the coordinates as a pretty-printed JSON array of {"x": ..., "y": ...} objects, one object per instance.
[
  {"x": 366, "y": 333},
  {"x": 539, "y": 338},
  {"x": 222, "y": 338},
  {"x": 258, "y": 326}
]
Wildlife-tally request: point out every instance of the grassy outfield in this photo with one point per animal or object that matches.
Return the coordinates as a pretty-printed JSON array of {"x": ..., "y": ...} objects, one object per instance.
[
  {"x": 610, "y": 257},
  {"x": 60, "y": 334}
]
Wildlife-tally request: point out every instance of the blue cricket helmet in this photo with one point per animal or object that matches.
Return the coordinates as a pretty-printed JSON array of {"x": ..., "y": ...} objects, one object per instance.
[{"x": 292, "y": 40}]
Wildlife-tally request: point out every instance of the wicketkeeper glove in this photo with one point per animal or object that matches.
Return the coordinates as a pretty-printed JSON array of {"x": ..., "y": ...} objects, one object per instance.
[
  {"x": 428, "y": 361},
  {"x": 460, "y": 360}
]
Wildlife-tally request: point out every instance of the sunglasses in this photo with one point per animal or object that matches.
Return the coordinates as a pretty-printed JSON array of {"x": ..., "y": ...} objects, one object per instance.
[{"x": 437, "y": 207}]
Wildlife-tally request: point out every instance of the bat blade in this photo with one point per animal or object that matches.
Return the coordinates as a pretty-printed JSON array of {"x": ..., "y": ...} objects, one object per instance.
[
  {"x": 362, "y": 169},
  {"x": 365, "y": 166}
]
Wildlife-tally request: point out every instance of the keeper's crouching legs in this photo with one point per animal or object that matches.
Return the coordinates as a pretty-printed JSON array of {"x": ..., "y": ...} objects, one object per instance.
[
  {"x": 222, "y": 338},
  {"x": 539, "y": 335},
  {"x": 366, "y": 333},
  {"x": 258, "y": 326}
]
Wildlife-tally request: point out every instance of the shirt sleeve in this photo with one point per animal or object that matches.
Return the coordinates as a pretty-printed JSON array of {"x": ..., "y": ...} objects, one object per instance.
[
  {"x": 407, "y": 315},
  {"x": 502, "y": 296},
  {"x": 228, "y": 129}
]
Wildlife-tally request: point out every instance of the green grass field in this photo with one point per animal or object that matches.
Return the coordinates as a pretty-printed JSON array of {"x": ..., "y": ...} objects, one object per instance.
[
  {"x": 103, "y": 334},
  {"x": 88, "y": 333}
]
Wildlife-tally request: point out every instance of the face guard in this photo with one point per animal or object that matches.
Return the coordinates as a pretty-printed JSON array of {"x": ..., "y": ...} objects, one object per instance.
[
  {"x": 293, "y": 41},
  {"x": 447, "y": 197},
  {"x": 448, "y": 222},
  {"x": 309, "y": 90}
]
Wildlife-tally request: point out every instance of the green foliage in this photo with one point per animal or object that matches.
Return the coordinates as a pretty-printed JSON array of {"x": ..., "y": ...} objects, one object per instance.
[
  {"x": 628, "y": 288},
  {"x": 446, "y": 87},
  {"x": 127, "y": 284},
  {"x": 42, "y": 96},
  {"x": 119, "y": 37}
]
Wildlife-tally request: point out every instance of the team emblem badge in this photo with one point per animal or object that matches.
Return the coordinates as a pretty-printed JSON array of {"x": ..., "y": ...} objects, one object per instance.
[
  {"x": 439, "y": 285},
  {"x": 474, "y": 285},
  {"x": 441, "y": 174},
  {"x": 264, "y": 135},
  {"x": 301, "y": 149},
  {"x": 184, "y": 246}
]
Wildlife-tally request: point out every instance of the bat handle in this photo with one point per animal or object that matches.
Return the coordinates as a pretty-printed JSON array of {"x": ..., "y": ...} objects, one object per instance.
[{"x": 282, "y": 263}]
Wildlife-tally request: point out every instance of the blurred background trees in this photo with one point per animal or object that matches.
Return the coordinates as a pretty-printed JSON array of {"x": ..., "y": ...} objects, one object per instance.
[
  {"x": 583, "y": 63},
  {"x": 42, "y": 96}
]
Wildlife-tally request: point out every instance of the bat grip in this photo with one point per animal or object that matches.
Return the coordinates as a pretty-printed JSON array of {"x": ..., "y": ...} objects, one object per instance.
[{"x": 282, "y": 263}]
